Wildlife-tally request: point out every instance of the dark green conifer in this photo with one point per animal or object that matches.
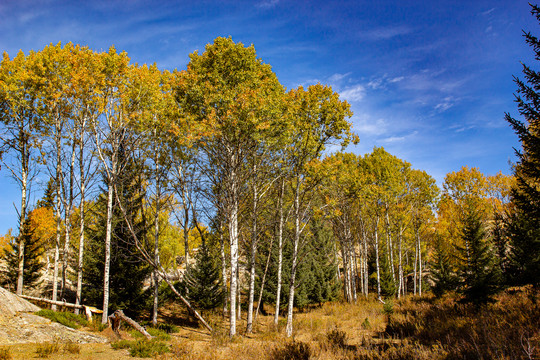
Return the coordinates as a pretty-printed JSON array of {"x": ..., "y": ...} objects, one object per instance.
[
  {"x": 33, "y": 250},
  {"x": 480, "y": 275},
  {"x": 203, "y": 279},
  {"x": 524, "y": 223},
  {"x": 442, "y": 274},
  {"x": 128, "y": 271}
]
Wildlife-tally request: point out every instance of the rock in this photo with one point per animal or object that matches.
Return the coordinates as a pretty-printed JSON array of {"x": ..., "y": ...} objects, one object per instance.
[
  {"x": 11, "y": 304},
  {"x": 19, "y": 325}
]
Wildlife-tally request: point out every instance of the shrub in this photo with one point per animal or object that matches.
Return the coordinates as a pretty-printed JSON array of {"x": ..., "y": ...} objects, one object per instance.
[
  {"x": 142, "y": 347},
  {"x": 5, "y": 354},
  {"x": 145, "y": 348},
  {"x": 336, "y": 338},
  {"x": 294, "y": 350},
  {"x": 365, "y": 324},
  {"x": 72, "y": 348},
  {"x": 46, "y": 349},
  {"x": 65, "y": 318}
]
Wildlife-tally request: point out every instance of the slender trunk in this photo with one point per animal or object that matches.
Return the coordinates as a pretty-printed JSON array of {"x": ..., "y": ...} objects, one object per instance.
[
  {"x": 107, "y": 266},
  {"x": 401, "y": 290},
  {"x": 377, "y": 258},
  {"x": 223, "y": 269},
  {"x": 366, "y": 272},
  {"x": 346, "y": 282},
  {"x": 156, "y": 236},
  {"x": 264, "y": 279},
  {"x": 294, "y": 259},
  {"x": 280, "y": 251},
  {"x": 253, "y": 253},
  {"x": 415, "y": 266},
  {"x": 390, "y": 246},
  {"x": 354, "y": 270},
  {"x": 239, "y": 301},
  {"x": 25, "y": 158},
  {"x": 68, "y": 213},
  {"x": 420, "y": 267},
  {"x": 58, "y": 215},
  {"x": 233, "y": 239},
  {"x": 81, "y": 220}
]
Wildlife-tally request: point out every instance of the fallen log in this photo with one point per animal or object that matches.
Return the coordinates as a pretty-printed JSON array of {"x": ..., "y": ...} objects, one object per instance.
[
  {"x": 53, "y": 302},
  {"x": 88, "y": 310},
  {"x": 116, "y": 319}
]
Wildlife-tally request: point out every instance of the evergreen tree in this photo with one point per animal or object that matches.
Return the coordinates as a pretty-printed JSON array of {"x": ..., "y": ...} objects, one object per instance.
[
  {"x": 203, "y": 280},
  {"x": 524, "y": 223},
  {"x": 388, "y": 285},
  {"x": 442, "y": 275},
  {"x": 317, "y": 281},
  {"x": 316, "y": 275},
  {"x": 48, "y": 196},
  {"x": 33, "y": 265},
  {"x": 480, "y": 274},
  {"x": 128, "y": 271}
]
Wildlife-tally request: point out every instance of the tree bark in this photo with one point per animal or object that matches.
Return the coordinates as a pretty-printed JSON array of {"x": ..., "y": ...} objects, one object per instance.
[
  {"x": 280, "y": 251},
  {"x": 25, "y": 159},
  {"x": 296, "y": 243}
]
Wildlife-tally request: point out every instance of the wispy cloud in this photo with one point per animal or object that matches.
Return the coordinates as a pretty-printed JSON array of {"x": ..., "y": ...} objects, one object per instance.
[
  {"x": 338, "y": 77},
  {"x": 393, "y": 139},
  {"x": 364, "y": 124},
  {"x": 487, "y": 12},
  {"x": 385, "y": 33},
  {"x": 354, "y": 93},
  {"x": 268, "y": 4},
  {"x": 445, "y": 104}
]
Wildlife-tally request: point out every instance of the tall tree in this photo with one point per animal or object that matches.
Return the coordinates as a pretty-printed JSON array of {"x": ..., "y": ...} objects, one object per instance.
[
  {"x": 479, "y": 276},
  {"x": 20, "y": 117},
  {"x": 318, "y": 118},
  {"x": 129, "y": 270},
  {"x": 33, "y": 263},
  {"x": 524, "y": 229},
  {"x": 231, "y": 96}
]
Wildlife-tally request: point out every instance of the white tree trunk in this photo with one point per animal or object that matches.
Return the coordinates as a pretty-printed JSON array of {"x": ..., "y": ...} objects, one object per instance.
[
  {"x": 296, "y": 243},
  {"x": 377, "y": 258},
  {"x": 253, "y": 253},
  {"x": 58, "y": 215},
  {"x": 106, "y": 269},
  {"x": 280, "y": 251},
  {"x": 233, "y": 238},
  {"x": 25, "y": 159}
]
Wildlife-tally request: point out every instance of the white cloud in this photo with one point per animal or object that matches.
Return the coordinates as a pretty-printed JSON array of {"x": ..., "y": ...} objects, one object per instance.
[
  {"x": 354, "y": 93},
  {"x": 268, "y": 4},
  {"x": 385, "y": 33},
  {"x": 365, "y": 125},
  {"x": 338, "y": 77}
]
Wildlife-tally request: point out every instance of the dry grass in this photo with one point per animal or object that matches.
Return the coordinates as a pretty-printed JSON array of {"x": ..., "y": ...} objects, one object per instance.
[{"x": 418, "y": 328}]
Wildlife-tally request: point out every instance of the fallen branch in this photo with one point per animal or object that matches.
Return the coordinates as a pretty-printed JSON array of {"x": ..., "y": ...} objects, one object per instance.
[
  {"x": 88, "y": 310},
  {"x": 116, "y": 319}
]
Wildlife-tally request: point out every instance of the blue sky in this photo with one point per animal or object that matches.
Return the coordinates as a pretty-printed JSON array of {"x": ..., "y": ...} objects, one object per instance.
[{"x": 428, "y": 80}]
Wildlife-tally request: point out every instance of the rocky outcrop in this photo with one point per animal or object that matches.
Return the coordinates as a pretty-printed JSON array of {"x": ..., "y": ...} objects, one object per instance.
[{"x": 18, "y": 324}]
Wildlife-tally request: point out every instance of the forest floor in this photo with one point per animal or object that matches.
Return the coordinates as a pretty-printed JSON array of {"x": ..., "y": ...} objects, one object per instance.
[{"x": 412, "y": 328}]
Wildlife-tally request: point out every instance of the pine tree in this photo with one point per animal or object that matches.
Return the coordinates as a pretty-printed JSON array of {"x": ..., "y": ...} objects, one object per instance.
[
  {"x": 128, "y": 271},
  {"x": 442, "y": 274},
  {"x": 203, "y": 280},
  {"x": 524, "y": 223},
  {"x": 33, "y": 265},
  {"x": 480, "y": 274},
  {"x": 388, "y": 285},
  {"x": 48, "y": 196}
]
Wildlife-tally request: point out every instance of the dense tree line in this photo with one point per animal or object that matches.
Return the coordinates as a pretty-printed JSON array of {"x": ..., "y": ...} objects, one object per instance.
[{"x": 219, "y": 163}]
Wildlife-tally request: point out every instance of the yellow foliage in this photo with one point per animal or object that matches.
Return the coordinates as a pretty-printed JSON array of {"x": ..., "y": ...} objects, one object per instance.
[{"x": 5, "y": 242}]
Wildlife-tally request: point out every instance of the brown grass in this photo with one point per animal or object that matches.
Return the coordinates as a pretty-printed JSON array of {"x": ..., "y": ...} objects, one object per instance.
[{"x": 418, "y": 328}]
